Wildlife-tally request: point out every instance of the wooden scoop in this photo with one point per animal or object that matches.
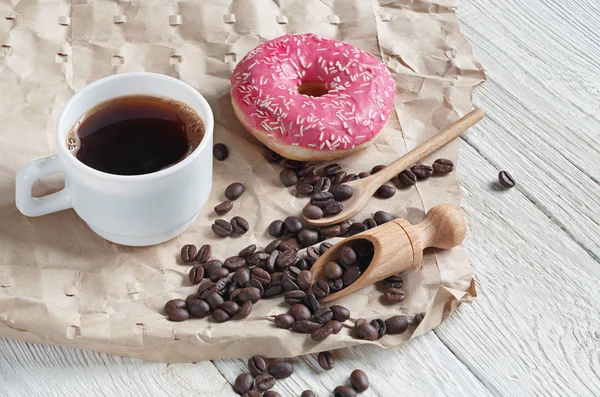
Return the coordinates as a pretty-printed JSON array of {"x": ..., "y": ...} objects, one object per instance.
[
  {"x": 363, "y": 189},
  {"x": 398, "y": 246}
]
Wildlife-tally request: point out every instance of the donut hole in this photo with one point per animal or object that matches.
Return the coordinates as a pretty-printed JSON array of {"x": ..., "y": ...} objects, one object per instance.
[{"x": 313, "y": 88}]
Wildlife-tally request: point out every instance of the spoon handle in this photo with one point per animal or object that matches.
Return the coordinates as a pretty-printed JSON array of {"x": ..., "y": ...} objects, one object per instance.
[{"x": 429, "y": 146}]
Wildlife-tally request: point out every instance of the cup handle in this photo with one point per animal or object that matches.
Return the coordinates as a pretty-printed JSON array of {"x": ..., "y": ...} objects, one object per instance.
[{"x": 27, "y": 176}]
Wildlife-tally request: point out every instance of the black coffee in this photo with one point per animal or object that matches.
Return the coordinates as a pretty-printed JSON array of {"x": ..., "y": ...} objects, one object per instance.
[{"x": 135, "y": 135}]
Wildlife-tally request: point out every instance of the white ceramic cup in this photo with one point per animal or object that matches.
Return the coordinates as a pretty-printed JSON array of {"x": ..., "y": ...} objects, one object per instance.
[{"x": 132, "y": 210}]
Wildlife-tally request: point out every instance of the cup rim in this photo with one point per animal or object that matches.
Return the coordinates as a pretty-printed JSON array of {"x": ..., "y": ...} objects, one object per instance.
[{"x": 208, "y": 129}]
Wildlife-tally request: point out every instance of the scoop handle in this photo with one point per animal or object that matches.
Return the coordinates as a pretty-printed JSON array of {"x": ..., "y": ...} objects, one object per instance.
[{"x": 444, "y": 226}]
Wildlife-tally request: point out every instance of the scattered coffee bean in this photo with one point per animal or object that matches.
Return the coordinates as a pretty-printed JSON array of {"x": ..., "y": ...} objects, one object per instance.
[
  {"x": 206, "y": 288},
  {"x": 222, "y": 228},
  {"x": 239, "y": 225},
  {"x": 347, "y": 256},
  {"x": 245, "y": 310},
  {"x": 356, "y": 228},
  {"x": 280, "y": 369},
  {"x": 276, "y": 229},
  {"x": 308, "y": 393},
  {"x": 264, "y": 382},
  {"x": 217, "y": 273},
  {"x": 271, "y": 393},
  {"x": 174, "y": 304},
  {"x": 344, "y": 228},
  {"x": 304, "y": 280},
  {"x": 261, "y": 275},
  {"x": 331, "y": 231},
  {"x": 382, "y": 217},
  {"x": 211, "y": 263},
  {"x": 335, "y": 325},
  {"x": 385, "y": 191},
  {"x": 364, "y": 174},
  {"x": 506, "y": 180},
  {"x": 333, "y": 270},
  {"x": 407, "y": 178},
  {"x": 364, "y": 330},
  {"x": 294, "y": 297},
  {"x": 393, "y": 282},
  {"x": 394, "y": 295},
  {"x": 284, "y": 321},
  {"x": 204, "y": 253},
  {"x": 351, "y": 275},
  {"x": 300, "y": 312},
  {"x": 339, "y": 177},
  {"x": 302, "y": 264},
  {"x": 311, "y": 301},
  {"x": 274, "y": 289},
  {"x": 377, "y": 168},
  {"x": 321, "y": 199},
  {"x": 312, "y": 212},
  {"x": 287, "y": 258},
  {"x": 305, "y": 326},
  {"x": 290, "y": 243},
  {"x": 198, "y": 308},
  {"x": 332, "y": 169},
  {"x": 288, "y": 177},
  {"x": 308, "y": 237},
  {"x": 292, "y": 226},
  {"x": 333, "y": 208},
  {"x": 220, "y": 315},
  {"x": 380, "y": 326},
  {"x": 341, "y": 192},
  {"x": 306, "y": 171},
  {"x": 230, "y": 307},
  {"x": 322, "y": 185},
  {"x": 396, "y": 324},
  {"x": 243, "y": 383},
  {"x": 220, "y": 151},
  {"x": 214, "y": 300},
  {"x": 326, "y": 360},
  {"x": 257, "y": 365},
  {"x": 418, "y": 318},
  {"x": 304, "y": 189},
  {"x": 251, "y": 294},
  {"x": 340, "y": 313},
  {"x": 248, "y": 251},
  {"x": 235, "y": 190},
  {"x": 370, "y": 223},
  {"x": 224, "y": 207},
  {"x": 196, "y": 274},
  {"x": 188, "y": 252},
  {"x": 234, "y": 263},
  {"x": 359, "y": 380},
  {"x": 320, "y": 289},
  {"x": 323, "y": 315},
  {"x": 422, "y": 171},
  {"x": 443, "y": 166},
  {"x": 350, "y": 178},
  {"x": 252, "y": 393},
  {"x": 344, "y": 391},
  {"x": 292, "y": 164},
  {"x": 179, "y": 315},
  {"x": 322, "y": 333},
  {"x": 273, "y": 157}
]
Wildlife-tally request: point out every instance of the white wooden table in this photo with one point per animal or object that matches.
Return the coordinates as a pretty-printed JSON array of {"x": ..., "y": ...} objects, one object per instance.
[{"x": 535, "y": 329}]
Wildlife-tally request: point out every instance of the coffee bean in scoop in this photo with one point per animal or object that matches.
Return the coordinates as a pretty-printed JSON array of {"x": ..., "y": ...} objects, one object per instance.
[
  {"x": 333, "y": 270},
  {"x": 322, "y": 184},
  {"x": 220, "y": 151},
  {"x": 333, "y": 208},
  {"x": 341, "y": 192},
  {"x": 443, "y": 166},
  {"x": 312, "y": 212},
  {"x": 321, "y": 199}
]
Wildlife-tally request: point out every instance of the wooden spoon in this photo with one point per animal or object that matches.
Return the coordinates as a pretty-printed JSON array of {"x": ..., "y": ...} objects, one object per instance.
[
  {"x": 363, "y": 189},
  {"x": 398, "y": 246}
]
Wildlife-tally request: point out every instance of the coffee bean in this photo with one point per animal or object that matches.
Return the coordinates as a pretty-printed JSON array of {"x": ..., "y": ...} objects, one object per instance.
[
  {"x": 331, "y": 231},
  {"x": 239, "y": 225},
  {"x": 323, "y": 315},
  {"x": 196, "y": 274},
  {"x": 340, "y": 313},
  {"x": 257, "y": 258},
  {"x": 344, "y": 391},
  {"x": 311, "y": 179},
  {"x": 341, "y": 192},
  {"x": 377, "y": 168},
  {"x": 210, "y": 264},
  {"x": 364, "y": 330},
  {"x": 224, "y": 207},
  {"x": 290, "y": 243},
  {"x": 287, "y": 258},
  {"x": 257, "y": 365},
  {"x": 351, "y": 275},
  {"x": 347, "y": 256},
  {"x": 364, "y": 174},
  {"x": 220, "y": 151},
  {"x": 191, "y": 297},
  {"x": 276, "y": 229},
  {"x": 311, "y": 301},
  {"x": 252, "y": 393},
  {"x": 320, "y": 289},
  {"x": 262, "y": 276},
  {"x": 188, "y": 252},
  {"x": 274, "y": 289},
  {"x": 344, "y": 228},
  {"x": 333, "y": 270},
  {"x": 394, "y": 295},
  {"x": 246, "y": 252},
  {"x": 321, "y": 199},
  {"x": 204, "y": 253},
  {"x": 300, "y": 312},
  {"x": 235, "y": 190},
  {"x": 214, "y": 300},
  {"x": 269, "y": 264},
  {"x": 308, "y": 393},
  {"x": 324, "y": 247},
  {"x": 332, "y": 169},
  {"x": 385, "y": 191},
  {"x": 276, "y": 277},
  {"x": 273, "y": 157},
  {"x": 222, "y": 228},
  {"x": 359, "y": 380},
  {"x": 370, "y": 223},
  {"x": 292, "y": 226},
  {"x": 281, "y": 369},
  {"x": 312, "y": 212},
  {"x": 382, "y": 217},
  {"x": 322, "y": 185},
  {"x": 234, "y": 263},
  {"x": 292, "y": 164},
  {"x": 256, "y": 284},
  {"x": 506, "y": 180},
  {"x": 223, "y": 285},
  {"x": 271, "y": 393},
  {"x": 406, "y": 178},
  {"x": 422, "y": 171},
  {"x": 339, "y": 177},
  {"x": 288, "y": 177},
  {"x": 326, "y": 360},
  {"x": 302, "y": 264},
  {"x": 304, "y": 189},
  {"x": 350, "y": 178},
  {"x": 230, "y": 308},
  {"x": 284, "y": 321},
  {"x": 245, "y": 310},
  {"x": 308, "y": 237},
  {"x": 443, "y": 166},
  {"x": 220, "y": 315},
  {"x": 356, "y": 228},
  {"x": 333, "y": 208},
  {"x": 380, "y": 326},
  {"x": 306, "y": 170},
  {"x": 206, "y": 288},
  {"x": 418, "y": 318},
  {"x": 313, "y": 252},
  {"x": 304, "y": 280},
  {"x": 179, "y": 315},
  {"x": 396, "y": 325},
  {"x": 335, "y": 325},
  {"x": 322, "y": 333},
  {"x": 393, "y": 282},
  {"x": 305, "y": 326},
  {"x": 291, "y": 272},
  {"x": 264, "y": 382},
  {"x": 251, "y": 294},
  {"x": 294, "y": 297},
  {"x": 335, "y": 285},
  {"x": 217, "y": 273},
  {"x": 174, "y": 304},
  {"x": 243, "y": 383},
  {"x": 198, "y": 308}
]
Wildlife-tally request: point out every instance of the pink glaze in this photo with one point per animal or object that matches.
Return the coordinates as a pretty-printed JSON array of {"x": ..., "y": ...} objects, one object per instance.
[{"x": 360, "y": 95}]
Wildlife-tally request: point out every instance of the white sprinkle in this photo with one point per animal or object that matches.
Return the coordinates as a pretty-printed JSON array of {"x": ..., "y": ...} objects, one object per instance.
[
  {"x": 322, "y": 49},
  {"x": 365, "y": 84},
  {"x": 359, "y": 137},
  {"x": 312, "y": 145},
  {"x": 321, "y": 137},
  {"x": 359, "y": 92},
  {"x": 321, "y": 146},
  {"x": 382, "y": 117},
  {"x": 295, "y": 144}
]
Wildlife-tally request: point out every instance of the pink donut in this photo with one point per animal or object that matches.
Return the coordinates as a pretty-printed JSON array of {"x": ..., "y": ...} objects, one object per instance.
[{"x": 311, "y": 98}]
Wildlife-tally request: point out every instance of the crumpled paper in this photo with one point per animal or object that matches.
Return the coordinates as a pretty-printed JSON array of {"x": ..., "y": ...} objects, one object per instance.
[{"x": 62, "y": 284}]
